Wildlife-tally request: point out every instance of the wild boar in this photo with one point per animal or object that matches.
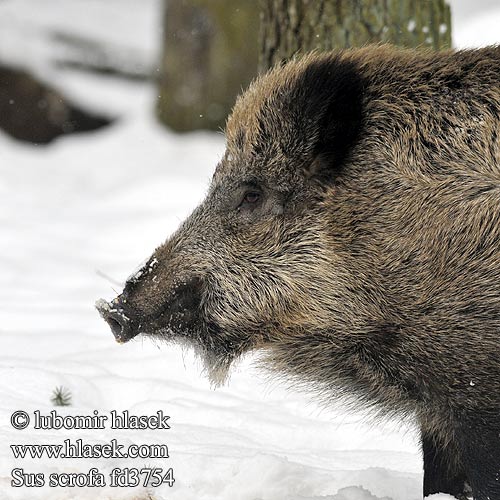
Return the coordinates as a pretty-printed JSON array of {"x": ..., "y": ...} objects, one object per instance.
[{"x": 351, "y": 233}]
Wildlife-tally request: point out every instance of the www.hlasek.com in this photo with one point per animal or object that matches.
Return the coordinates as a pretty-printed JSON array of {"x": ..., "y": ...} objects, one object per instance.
[{"x": 118, "y": 477}]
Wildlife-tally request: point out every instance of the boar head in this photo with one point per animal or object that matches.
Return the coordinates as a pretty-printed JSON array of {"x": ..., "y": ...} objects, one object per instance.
[{"x": 255, "y": 259}]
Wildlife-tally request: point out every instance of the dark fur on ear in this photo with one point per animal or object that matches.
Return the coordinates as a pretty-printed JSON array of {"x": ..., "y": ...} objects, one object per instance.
[
  {"x": 308, "y": 110},
  {"x": 333, "y": 103}
]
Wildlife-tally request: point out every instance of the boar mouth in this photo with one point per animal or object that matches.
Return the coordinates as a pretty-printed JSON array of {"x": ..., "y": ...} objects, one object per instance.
[
  {"x": 181, "y": 320},
  {"x": 172, "y": 326},
  {"x": 188, "y": 329}
]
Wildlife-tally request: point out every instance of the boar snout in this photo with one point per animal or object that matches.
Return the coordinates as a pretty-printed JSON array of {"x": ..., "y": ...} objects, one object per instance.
[
  {"x": 114, "y": 315},
  {"x": 145, "y": 307}
]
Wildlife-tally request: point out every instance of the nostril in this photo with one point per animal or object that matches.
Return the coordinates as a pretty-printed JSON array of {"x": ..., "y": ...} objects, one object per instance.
[{"x": 117, "y": 320}]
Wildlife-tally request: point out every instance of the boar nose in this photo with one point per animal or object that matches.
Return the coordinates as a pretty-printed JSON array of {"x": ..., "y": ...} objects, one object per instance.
[{"x": 115, "y": 316}]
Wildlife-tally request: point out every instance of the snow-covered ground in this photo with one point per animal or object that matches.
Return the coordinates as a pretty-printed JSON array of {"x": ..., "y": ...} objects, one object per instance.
[{"x": 76, "y": 218}]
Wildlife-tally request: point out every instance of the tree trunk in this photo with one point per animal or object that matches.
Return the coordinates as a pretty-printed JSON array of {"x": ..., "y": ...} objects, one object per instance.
[
  {"x": 289, "y": 26},
  {"x": 210, "y": 54}
]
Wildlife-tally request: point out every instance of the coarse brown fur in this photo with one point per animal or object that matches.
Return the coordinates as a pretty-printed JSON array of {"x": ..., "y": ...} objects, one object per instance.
[{"x": 352, "y": 233}]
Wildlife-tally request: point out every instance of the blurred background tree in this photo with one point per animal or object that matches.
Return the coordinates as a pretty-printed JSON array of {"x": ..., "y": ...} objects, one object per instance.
[
  {"x": 213, "y": 48},
  {"x": 210, "y": 52}
]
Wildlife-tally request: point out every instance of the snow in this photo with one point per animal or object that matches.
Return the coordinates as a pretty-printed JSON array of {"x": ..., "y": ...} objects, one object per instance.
[
  {"x": 75, "y": 219},
  {"x": 475, "y": 24},
  {"x": 480, "y": 30}
]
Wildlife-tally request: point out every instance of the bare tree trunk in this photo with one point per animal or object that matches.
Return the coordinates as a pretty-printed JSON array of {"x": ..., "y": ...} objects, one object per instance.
[
  {"x": 289, "y": 26},
  {"x": 210, "y": 54}
]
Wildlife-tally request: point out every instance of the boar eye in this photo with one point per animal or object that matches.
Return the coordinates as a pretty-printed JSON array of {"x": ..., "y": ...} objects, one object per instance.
[
  {"x": 251, "y": 197},
  {"x": 250, "y": 200}
]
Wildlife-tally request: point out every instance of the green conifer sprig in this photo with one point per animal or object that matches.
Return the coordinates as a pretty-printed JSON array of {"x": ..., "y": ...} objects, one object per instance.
[{"x": 61, "y": 396}]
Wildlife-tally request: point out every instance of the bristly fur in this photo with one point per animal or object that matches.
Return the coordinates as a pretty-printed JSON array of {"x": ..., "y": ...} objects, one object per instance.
[{"x": 366, "y": 260}]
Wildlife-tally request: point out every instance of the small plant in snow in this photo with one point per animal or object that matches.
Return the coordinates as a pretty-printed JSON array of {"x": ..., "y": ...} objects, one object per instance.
[{"x": 61, "y": 397}]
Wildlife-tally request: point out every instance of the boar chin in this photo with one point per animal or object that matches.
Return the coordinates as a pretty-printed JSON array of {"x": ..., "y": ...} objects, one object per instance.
[
  {"x": 216, "y": 365},
  {"x": 215, "y": 369}
]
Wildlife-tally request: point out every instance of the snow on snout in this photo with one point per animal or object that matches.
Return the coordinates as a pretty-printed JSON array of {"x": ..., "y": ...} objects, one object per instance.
[{"x": 115, "y": 316}]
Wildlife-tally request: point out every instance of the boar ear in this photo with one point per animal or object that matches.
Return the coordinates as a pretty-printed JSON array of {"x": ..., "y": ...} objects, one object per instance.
[{"x": 336, "y": 110}]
